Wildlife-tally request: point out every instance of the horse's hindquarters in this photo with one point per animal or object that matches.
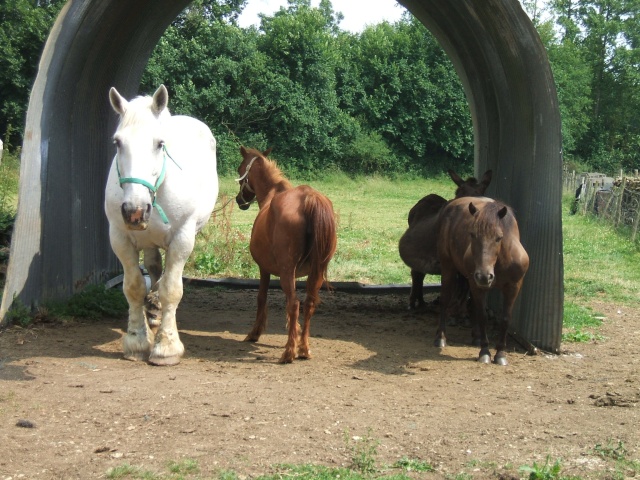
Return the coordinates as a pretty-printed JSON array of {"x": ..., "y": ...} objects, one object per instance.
[{"x": 418, "y": 247}]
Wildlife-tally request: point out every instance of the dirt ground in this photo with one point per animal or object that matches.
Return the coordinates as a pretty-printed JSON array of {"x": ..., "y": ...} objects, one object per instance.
[{"x": 72, "y": 408}]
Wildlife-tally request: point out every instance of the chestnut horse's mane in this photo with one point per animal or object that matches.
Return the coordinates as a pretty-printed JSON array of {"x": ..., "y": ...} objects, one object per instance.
[{"x": 272, "y": 171}]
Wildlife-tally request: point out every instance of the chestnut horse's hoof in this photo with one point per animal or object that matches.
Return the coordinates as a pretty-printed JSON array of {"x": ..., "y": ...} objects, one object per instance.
[
  {"x": 250, "y": 338},
  {"x": 440, "y": 342},
  {"x": 284, "y": 359}
]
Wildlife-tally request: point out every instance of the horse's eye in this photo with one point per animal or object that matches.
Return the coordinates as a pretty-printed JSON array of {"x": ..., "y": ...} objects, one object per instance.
[
  {"x": 473, "y": 235},
  {"x": 498, "y": 239},
  {"x": 117, "y": 143},
  {"x": 160, "y": 144}
]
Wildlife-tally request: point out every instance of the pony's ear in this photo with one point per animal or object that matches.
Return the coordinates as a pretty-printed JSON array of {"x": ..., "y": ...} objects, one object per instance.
[
  {"x": 267, "y": 152},
  {"x": 455, "y": 177},
  {"x": 118, "y": 102},
  {"x": 502, "y": 212},
  {"x": 486, "y": 178},
  {"x": 243, "y": 151},
  {"x": 160, "y": 100},
  {"x": 472, "y": 208}
]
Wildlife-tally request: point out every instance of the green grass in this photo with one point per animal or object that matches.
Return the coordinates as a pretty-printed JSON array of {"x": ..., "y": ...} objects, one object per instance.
[
  {"x": 599, "y": 262},
  {"x": 372, "y": 216},
  {"x": 580, "y": 323}
]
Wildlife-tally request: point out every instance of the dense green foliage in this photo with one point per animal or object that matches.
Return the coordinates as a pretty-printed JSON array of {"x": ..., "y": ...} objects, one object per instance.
[
  {"x": 385, "y": 100},
  {"x": 24, "y": 25},
  {"x": 594, "y": 51}
]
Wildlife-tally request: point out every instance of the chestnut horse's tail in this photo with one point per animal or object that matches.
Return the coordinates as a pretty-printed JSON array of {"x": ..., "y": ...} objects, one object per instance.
[{"x": 321, "y": 232}]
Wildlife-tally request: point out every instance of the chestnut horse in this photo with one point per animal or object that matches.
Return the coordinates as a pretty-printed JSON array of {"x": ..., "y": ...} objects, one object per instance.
[
  {"x": 417, "y": 246},
  {"x": 293, "y": 235},
  {"x": 479, "y": 239}
]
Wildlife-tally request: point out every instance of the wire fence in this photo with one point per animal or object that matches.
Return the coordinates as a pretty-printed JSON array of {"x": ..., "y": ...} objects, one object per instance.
[{"x": 616, "y": 201}]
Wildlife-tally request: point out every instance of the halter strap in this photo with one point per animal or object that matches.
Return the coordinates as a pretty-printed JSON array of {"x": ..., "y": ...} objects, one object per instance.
[
  {"x": 245, "y": 182},
  {"x": 153, "y": 189},
  {"x": 246, "y": 173}
]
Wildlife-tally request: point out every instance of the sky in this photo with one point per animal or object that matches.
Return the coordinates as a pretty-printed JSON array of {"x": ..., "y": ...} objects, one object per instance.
[{"x": 357, "y": 13}]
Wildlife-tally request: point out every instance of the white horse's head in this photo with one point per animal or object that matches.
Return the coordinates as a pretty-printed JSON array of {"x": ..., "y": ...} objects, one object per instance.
[{"x": 140, "y": 158}]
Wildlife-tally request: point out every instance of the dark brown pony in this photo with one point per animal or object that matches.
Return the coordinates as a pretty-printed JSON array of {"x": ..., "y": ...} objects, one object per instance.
[
  {"x": 294, "y": 235},
  {"x": 479, "y": 239},
  {"x": 417, "y": 246}
]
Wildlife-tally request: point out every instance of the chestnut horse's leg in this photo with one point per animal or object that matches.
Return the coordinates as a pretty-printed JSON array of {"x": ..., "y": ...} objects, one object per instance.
[
  {"x": 416, "y": 297},
  {"x": 260, "y": 324},
  {"x": 448, "y": 279},
  {"x": 479, "y": 297},
  {"x": 288, "y": 283},
  {"x": 310, "y": 303},
  {"x": 509, "y": 294}
]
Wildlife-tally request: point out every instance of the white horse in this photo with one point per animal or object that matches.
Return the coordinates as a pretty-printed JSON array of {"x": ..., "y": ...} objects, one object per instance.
[{"x": 161, "y": 190}]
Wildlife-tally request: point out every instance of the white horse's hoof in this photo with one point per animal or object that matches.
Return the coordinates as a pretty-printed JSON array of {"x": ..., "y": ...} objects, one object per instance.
[
  {"x": 136, "y": 347},
  {"x": 168, "y": 349},
  {"x": 165, "y": 361},
  {"x": 136, "y": 357}
]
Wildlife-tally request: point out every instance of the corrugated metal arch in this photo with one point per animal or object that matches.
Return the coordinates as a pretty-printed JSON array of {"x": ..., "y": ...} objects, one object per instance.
[{"x": 60, "y": 240}]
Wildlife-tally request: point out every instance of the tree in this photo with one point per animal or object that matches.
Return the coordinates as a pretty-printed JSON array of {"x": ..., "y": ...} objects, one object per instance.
[
  {"x": 409, "y": 93},
  {"x": 306, "y": 125},
  {"x": 601, "y": 39},
  {"x": 24, "y": 26}
]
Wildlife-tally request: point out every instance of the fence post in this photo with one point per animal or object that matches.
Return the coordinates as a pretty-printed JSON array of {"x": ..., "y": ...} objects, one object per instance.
[
  {"x": 636, "y": 219},
  {"x": 619, "y": 206}
]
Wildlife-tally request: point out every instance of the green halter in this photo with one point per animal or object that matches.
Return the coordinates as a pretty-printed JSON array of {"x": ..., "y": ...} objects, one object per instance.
[{"x": 153, "y": 189}]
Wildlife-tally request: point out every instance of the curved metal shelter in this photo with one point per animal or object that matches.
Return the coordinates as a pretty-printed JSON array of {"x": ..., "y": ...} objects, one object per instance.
[{"x": 60, "y": 241}]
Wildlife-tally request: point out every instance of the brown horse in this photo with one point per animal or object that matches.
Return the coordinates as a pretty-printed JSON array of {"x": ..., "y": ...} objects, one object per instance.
[
  {"x": 294, "y": 235},
  {"x": 417, "y": 246},
  {"x": 479, "y": 239}
]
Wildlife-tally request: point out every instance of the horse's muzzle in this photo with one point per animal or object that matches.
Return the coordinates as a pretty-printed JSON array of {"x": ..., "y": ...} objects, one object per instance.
[
  {"x": 242, "y": 203},
  {"x": 484, "y": 279},
  {"x": 136, "y": 217}
]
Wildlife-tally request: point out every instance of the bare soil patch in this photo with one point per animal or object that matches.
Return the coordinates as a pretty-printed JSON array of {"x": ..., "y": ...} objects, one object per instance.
[{"x": 71, "y": 407}]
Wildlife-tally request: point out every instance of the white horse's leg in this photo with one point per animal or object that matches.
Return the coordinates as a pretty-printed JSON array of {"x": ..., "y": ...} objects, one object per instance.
[
  {"x": 136, "y": 344},
  {"x": 152, "y": 305},
  {"x": 168, "y": 348}
]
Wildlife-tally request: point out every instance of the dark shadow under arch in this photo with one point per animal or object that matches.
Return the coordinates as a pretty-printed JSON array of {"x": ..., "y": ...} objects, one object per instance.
[{"x": 60, "y": 240}]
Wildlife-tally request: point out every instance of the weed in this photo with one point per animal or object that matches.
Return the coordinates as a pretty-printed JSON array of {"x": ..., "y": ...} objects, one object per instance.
[
  {"x": 413, "y": 465},
  {"x": 311, "y": 472},
  {"x": 95, "y": 301},
  {"x": 186, "y": 466},
  {"x": 363, "y": 452},
  {"x": 460, "y": 476},
  {"x": 19, "y": 314},
  {"x": 615, "y": 452},
  {"x": 227, "y": 475},
  {"x": 123, "y": 471},
  {"x": 544, "y": 472}
]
